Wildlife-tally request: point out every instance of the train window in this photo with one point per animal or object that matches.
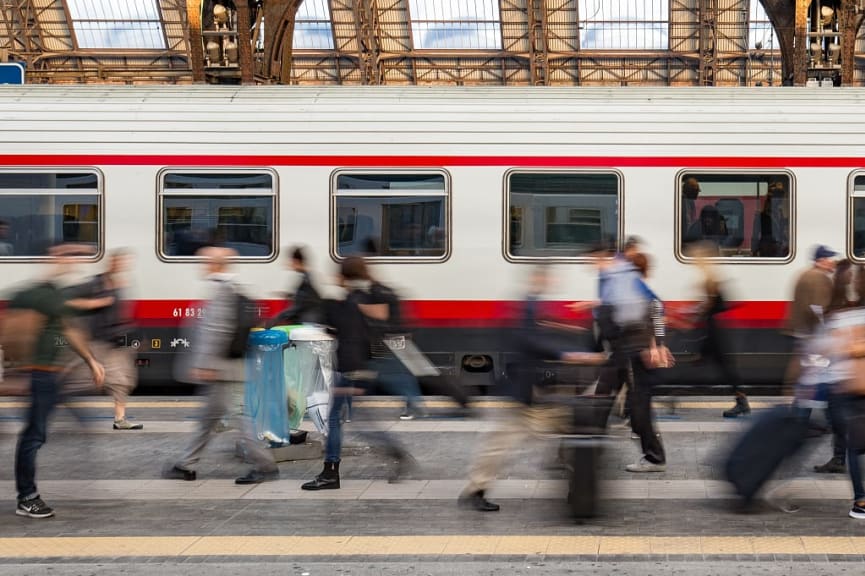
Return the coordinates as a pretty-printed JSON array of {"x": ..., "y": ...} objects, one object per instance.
[
  {"x": 397, "y": 215},
  {"x": 561, "y": 214},
  {"x": 857, "y": 217},
  {"x": 736, "y": 215},
  {"x": 39, "y": 209},
  {"x": 231, "y": 209}
]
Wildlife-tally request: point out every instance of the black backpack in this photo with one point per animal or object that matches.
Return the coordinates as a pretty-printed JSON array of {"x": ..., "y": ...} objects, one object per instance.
[{"x": 245, "y": 320}]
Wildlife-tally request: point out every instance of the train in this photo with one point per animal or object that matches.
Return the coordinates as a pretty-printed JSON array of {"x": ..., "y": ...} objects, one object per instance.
[{"x": 461, "y": 190}]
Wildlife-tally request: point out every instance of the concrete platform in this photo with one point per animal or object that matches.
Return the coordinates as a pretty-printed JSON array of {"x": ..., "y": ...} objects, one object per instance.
[{"x": 114, "y": 512}]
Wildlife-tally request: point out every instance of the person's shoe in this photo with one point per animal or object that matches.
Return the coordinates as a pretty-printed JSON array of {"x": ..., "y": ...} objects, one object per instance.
[
  {"x": 407, "y": 416},
  {"x": 177, "y": 473},
  {"x": 327, "y": 480},
  {"x": 257, "y": 477},
  {"x": 34, "y": 508},
  {"x": 476, "y": 501},
  {"x": 742, "y": 408},
  {"x": 858, "y": 510},
  {"x": 833, "y": 466},
  {"x": 125, "y": 424},
  {"x": 405, "y": 463},
  {"x": 645, "y": 466}
]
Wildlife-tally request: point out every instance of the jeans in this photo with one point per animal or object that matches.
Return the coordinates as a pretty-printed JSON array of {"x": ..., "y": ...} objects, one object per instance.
[
  {"x": 43, "y": 398},
  {"x": 333, "y": 446},
  {"x": 396, "y": 380},
  {"x": 855, "y": 405}
]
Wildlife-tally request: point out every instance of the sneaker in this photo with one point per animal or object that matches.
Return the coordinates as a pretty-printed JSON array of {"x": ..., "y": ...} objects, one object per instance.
[
  {"x": 34, "y": 508},
  {"x": 833, "y": 466},
  {"x": 407, "y": 416},
  {"x": 857, "y": 511},
  {"x": 126, "y": 425},
  {"x": 645, "y": 466}
]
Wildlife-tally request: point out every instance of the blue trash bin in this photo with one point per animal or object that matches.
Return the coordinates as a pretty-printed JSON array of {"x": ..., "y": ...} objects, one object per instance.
[{"x": 265, "y": 391}]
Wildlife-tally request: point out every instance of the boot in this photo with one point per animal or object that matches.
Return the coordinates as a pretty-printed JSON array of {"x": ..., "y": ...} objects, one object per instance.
[
  {"x": 477, "y": 501},
  {"x": 833, "y": 466},
  {"x": 742, "y": 408},
  {"x": 327, "y": 480}
]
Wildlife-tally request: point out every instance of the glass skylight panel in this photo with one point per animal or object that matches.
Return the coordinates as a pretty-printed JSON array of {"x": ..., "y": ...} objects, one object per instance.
[
  {"x": 760, "y": 28},
  {"x": 624, "y": 24},
  {"x": 114, "y": 24},
  {"x": 312, "y": 27},
  {"x": 456, "y": 24}
]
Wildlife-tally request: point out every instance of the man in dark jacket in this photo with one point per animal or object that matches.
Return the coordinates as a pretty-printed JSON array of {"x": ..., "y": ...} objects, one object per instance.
[
  {"x": 306, "y": 305},
  {"x": 534, "y": 349}
]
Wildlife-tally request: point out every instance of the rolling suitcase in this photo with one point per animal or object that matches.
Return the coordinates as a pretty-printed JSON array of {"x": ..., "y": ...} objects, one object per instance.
[
  {"x": 771, "y": 439},
  {"x": 583, "y": 452}
]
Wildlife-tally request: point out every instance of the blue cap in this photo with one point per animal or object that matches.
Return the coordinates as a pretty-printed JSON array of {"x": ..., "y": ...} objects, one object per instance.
[{"x": 824, "y": 252}]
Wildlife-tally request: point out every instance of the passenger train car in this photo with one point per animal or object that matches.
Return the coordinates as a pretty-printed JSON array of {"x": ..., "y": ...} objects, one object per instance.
[{"x": 462, "y": 190}]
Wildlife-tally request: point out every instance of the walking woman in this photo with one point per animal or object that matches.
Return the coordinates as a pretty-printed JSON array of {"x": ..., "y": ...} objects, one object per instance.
[{"x": 716, "y": 344}]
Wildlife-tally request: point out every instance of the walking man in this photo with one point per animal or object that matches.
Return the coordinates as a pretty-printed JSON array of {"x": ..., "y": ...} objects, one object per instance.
[
  {"x": 47, "y": 308},
  {"x": 211, "y": 366}
]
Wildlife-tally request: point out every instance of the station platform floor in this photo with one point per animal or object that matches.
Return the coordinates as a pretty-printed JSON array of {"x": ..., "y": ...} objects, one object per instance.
[{"x": 115, "y": 514}]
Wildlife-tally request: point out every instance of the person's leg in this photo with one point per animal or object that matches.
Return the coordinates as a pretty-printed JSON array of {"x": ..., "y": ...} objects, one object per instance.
[
  {"x": 218, "y": 399},
  {"x": 641, "y": 418},
  {"x": 396, "y": 380},
  {"x": 43, "y": 398},
  {"x": 263, "y": 465},
  {"x": 329, "y": 477},
  {"x": 121, "y": 379},
  {"x": 489, "y": 460},
  {"x": 855, "y": 406}
]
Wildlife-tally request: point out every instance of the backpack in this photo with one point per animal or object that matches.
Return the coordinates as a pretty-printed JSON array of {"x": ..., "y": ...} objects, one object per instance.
[
  {"x": 19, "y": 332},
  {"x": 246, "y": 319}
]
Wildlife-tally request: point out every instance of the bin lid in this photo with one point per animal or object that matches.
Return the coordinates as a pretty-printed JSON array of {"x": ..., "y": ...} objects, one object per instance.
[
  {"x": 287, "y": 329},
  {"x": 267, "y": 338},
  {"x": 309, "y": 334}
]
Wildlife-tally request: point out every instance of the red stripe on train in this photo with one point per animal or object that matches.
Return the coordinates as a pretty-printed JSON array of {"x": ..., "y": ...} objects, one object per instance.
[
  {"x": 468, "y": 313},
  {"x": 429, "y": 161}
]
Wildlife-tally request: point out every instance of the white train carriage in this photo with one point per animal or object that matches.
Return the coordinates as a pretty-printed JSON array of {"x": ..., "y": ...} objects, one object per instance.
[{"x": 459, "y": 189}]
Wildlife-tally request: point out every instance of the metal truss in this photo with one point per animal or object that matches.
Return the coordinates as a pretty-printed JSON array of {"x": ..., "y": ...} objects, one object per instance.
[
  {"x": 373, "y": 43},
  {"x": 40, "y": 34}
]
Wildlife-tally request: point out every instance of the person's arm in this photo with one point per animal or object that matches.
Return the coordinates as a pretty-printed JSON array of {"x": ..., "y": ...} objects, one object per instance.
[
  {"x": 78, "y": 343},
  {"x": 87, "y": 304}
]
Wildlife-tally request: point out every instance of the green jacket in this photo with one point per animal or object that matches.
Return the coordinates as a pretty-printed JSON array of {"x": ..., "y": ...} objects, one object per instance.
[{"x": 45, "y": 298}]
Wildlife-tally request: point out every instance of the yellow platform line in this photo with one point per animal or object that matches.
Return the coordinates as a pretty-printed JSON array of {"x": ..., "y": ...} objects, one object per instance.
[
  {"x": 380, "y": 404},
  {"x": 444, "y": 545}
]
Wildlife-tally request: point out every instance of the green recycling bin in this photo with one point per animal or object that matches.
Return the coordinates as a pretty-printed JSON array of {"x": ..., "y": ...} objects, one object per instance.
[{"x": 308, "y": 366}]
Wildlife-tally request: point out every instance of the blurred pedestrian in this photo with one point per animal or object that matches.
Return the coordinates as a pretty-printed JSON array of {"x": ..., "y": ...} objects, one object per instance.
[
  {"x": 101, "y": 303},
  {"x": 534, "y": 348},
  {"x": 49, "y": 322},
  {"x": 348, "y": 321},
  {"x": 388, "y": 333},
  {"x": 211, "y": 365},
  {"x": 812, "y": 294},
  {"x": 716, "y": 345},
  {"x": 306, "y": 302},
  {"x": 631, "y": 317},
  {"x": 838, "y": 370}
]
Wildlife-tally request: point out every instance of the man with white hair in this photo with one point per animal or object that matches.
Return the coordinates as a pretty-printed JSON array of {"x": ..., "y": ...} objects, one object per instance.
[{"x": 211, "y": 365}]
